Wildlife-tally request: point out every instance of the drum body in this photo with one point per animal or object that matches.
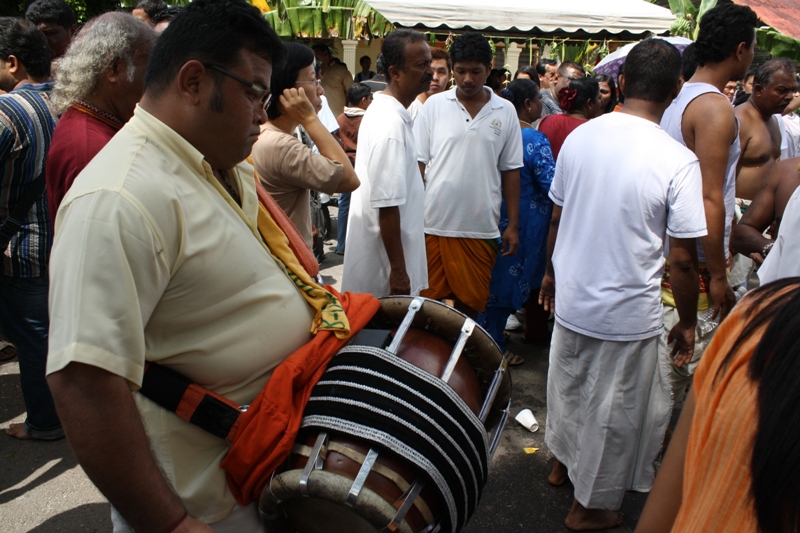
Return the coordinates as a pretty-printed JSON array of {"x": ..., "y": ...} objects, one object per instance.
[{"x": 399, "y": 431}]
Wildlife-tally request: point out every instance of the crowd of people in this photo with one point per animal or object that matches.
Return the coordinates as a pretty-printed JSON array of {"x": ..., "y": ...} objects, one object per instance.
[{"x": 157, "y": 200}]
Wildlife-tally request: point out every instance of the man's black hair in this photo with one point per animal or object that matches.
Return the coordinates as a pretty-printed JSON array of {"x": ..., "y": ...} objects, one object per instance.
[
  {"x": 750, "y": 74},
  {"x": 21, "y": 39},
  {"x": 767, "y": 71},
  {"x": 363, "y": 58},
  {"x": 166, "y": 15},
  {"x": 688, "y": 62},
  {"x": 322, "y": 47},
  {"x": 151, "y": 7},
  {"x": 356, "y": 92},
  {"x": 213, "y": 32},
  {"x": 562, "y": 68},
  {"x": 298, "y": 57},
  {"x": 55, "y": 11},
  {"x": 471, "y": 46},
  {"x": 393, "y": 49},
  {"x": 652, "y": 71},
  {"x": 541, "y": 66},
  {"x": 722, "y": 29}
]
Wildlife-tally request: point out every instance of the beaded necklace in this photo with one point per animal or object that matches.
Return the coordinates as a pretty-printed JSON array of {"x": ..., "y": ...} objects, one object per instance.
[{"x": 106, "y": 118}]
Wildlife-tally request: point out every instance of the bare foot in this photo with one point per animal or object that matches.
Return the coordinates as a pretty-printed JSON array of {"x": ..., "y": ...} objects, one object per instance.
[
  {"x": 558, "y": 476},
  {"x": 18, "y": 432},
  {"x": 582, "y": 519}
]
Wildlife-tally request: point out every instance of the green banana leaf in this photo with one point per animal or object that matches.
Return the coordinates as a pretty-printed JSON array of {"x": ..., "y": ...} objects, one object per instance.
[
  {"x": 346, "y": 19},
  {"x": 778, "y": 44}
]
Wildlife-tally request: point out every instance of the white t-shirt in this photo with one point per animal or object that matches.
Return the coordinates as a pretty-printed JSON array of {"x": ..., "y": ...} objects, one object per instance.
[
  {"x": 623, "y": 184},
  {"x": 465, "y": 157},
  {"x": 790, "y": 136},
  {"x": 672, "y": 123},
  {"x": 783, "y": 261},
  {"x": 386, "y": 164},
  {"x": 414, "y": 108}
]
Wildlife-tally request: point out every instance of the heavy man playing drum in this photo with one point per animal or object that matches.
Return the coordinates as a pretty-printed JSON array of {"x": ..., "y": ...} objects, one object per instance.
[{"x": 160, "y": 258}]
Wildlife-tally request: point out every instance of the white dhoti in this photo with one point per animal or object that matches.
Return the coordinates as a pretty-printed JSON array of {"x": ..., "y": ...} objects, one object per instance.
[{"x": 608, "y": 407}]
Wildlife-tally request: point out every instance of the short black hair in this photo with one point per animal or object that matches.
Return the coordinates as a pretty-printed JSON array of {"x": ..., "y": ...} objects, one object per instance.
[
  {"x": 520, "y": 90},
  {"x": 562, "y": 68},
  {"x": 322, "y": 47},
  {"x": 363, "y": 58},
  {"x": 21, "y": 39},
  {"x": 166, "y": 15},
  {"x": 722, "y": 29},
  {"x": 356, "y": 92},
  {"x": 298, "y": 57},
  {"x": 151, "y": 7},
  {"x": 586, "y": 89},
  {"x": 471, "y": 46},
  {"x": 56, "y": 11},
  {"x": 612, "y": 85},
  {"x": 765, "y": 72},
  {"x": 652, "y": 71},
  {"x": 688, "y": 62},
  {"x": 393, "y": 49},
  {"x": 541, "y": 66},
  {"x": 530, "y": 71},
  {"x": 750, "y": 73},
  {"x": 211, "y": 32}
]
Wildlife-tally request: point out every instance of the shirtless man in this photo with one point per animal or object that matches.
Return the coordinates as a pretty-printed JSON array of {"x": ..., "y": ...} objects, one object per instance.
[
  {"x": 759, "y": 132},
  {"x": 767, "y": 207}
]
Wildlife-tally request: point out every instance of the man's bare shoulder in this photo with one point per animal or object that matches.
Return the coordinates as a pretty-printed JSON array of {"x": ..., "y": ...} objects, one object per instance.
[{"x": 709, "y": 112}]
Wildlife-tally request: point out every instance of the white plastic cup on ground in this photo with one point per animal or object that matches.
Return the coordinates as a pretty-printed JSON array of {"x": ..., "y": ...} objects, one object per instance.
[{"x": 528, "y": 421}]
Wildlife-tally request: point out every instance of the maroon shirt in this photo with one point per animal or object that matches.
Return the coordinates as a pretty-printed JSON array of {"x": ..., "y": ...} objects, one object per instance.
[
  {"x": 556, "y": 127},
  {"x": 348, "y": 133},
  {"x": 77, "y": 138}
]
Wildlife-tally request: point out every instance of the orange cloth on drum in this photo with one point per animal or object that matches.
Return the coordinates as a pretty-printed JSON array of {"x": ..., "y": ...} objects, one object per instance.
[
  {"x": 460, "y": 268},
  {"x": 267, "y": 430},
  {"x": 717, "y": 478}
]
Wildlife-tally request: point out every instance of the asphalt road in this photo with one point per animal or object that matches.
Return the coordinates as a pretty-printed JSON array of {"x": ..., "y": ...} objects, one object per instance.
[{"x": 44, "y": 490}]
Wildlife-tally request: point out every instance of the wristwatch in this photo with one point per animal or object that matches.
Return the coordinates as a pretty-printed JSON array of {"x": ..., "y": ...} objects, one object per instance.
[{"x": 767, "y": 248}]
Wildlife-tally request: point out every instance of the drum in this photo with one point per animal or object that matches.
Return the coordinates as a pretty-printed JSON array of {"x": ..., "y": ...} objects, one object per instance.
[{"x": 399, "y": 431}]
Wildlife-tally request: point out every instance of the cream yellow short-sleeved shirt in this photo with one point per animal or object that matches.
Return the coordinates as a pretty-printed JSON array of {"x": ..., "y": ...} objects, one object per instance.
[{"x": 153, "y": 261}]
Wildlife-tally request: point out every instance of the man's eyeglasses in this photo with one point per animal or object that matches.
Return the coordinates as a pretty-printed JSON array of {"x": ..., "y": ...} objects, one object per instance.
[
  {"x": 318, "y": 83},
  {"x": 262, "y": 94}
]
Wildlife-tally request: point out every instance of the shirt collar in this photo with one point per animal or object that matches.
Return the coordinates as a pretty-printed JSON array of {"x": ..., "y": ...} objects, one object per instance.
[
  {"x": 39, "y": 87},
  {"x": 495, "y": 100},
  {"x": 395, "y": 104}
]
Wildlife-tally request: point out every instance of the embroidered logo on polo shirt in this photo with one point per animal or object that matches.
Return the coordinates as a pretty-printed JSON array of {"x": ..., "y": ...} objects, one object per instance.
[{"x": 496, "y": 126}]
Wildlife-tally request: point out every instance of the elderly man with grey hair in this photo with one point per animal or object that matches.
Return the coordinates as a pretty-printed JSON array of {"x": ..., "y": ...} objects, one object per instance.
[{"x": 98, "y": 84}]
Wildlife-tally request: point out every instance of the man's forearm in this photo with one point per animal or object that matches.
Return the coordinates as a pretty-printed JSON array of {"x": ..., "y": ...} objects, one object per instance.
[
  {"x": 685, "y": 283},
  {"x": 106, "y": 435},
  {"x": 714, "y": 242},
  {"x": 552, "y": 235},
  {"x": 511, "y": 192},
  {"x": 747, "y": 240},
  {"x": 389, "y": 220}
]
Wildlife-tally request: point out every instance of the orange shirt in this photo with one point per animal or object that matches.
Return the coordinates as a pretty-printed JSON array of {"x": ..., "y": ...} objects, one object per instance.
[{"x": 716, "y": 484}]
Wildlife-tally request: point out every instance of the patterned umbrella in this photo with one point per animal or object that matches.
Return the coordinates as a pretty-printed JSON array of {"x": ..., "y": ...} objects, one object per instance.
[{"x": 612, "y": 62}]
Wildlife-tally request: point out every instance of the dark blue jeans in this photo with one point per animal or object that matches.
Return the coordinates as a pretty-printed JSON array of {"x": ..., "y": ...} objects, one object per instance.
[
  {"x": 24, "y": 321},
  {"x": 341, "y": 223}
]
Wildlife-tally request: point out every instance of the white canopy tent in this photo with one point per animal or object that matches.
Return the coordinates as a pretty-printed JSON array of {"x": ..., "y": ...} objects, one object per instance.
[{"x": 525, "y": 16}]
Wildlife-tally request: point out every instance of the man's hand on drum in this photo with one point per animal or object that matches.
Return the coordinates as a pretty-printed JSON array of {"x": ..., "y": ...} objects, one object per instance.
[
  {"x": 399, "y": 284},
  {"x": 296, "y": 104},
  {"x": 547, "y": 294}
]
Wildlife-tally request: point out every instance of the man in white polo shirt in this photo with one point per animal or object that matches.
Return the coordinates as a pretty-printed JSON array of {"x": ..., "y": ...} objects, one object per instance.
[
  {"x": 385, "y": 234},
  {"x": 608, "y": 399},
  {"x": 469, "y": 147}
]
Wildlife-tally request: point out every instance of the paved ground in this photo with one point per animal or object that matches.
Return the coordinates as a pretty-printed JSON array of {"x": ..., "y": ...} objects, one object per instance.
[{"x": 42, "y": 488}]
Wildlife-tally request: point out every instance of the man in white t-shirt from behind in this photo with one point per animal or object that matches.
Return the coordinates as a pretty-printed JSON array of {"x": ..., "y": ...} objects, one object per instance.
[
  {"x": 385, "y": 231},
  {"x": 608, "y": 399}
]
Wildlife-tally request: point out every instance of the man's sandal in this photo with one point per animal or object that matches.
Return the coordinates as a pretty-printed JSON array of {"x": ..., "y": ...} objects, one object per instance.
[
  {"x": 7, "y": 351},
  {"x": 513, "y": 359}
]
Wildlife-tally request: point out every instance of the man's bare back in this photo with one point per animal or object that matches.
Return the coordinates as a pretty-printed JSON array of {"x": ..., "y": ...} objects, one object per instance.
[{"x": 761, "y": 148}]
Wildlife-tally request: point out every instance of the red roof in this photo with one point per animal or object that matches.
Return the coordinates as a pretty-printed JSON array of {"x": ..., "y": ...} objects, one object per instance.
[{"x": 783, "y": 15}]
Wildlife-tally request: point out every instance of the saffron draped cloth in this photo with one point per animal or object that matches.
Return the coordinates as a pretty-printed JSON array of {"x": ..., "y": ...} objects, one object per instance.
[
  {"x": 267, "y": 430},
  {"x": 460, "y": 268}
]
